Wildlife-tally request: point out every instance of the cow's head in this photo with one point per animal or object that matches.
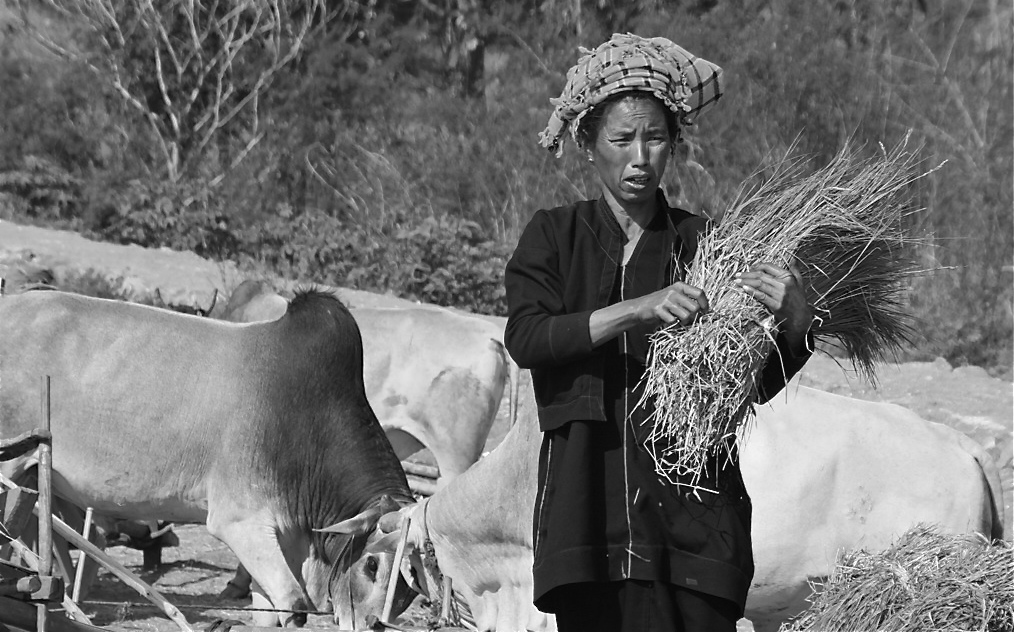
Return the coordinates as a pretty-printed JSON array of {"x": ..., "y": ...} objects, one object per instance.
[{"x": 359, "y": 594}]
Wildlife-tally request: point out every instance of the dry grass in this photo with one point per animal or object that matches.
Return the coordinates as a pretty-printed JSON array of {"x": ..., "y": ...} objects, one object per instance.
[
  {"x": 841, "y": 226},
  {"x": 926, "y": 582}
]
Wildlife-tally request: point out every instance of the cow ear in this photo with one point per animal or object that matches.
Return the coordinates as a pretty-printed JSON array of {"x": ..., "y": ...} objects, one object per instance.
[
  {"x": 390, "y": 522},
  {"x": 414, "y": 571},
  {"x": 387, "y": 543},
  {"x": 387, "y": 504}
]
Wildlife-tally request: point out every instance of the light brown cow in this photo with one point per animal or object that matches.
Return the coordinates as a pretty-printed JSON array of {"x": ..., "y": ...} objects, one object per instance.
[
  {"x": 263, "y": 431},
  {"x": 435, "y": 377}
]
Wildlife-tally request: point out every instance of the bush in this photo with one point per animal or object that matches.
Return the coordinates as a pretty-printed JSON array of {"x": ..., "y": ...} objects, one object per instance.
[
  {"x": 48, "y": 192},
  {"x": 442, "y": 260},
  {"x": 92, "y": 282},
  {"x": 374, "y": 172},
  {"x": 185, "y": 216}
]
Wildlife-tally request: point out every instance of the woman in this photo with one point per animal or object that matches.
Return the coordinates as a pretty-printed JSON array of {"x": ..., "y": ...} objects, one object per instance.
[{"x": 617, "y": 547}]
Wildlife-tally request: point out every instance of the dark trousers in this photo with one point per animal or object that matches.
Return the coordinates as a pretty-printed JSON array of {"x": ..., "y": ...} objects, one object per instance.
[{"x": 640, "y": 606}]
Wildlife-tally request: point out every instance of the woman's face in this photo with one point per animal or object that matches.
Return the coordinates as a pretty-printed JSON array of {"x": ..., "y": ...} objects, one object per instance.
[{"x": 630, "y": 152}]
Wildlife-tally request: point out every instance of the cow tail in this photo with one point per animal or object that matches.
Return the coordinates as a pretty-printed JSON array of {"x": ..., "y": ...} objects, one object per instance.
[
  {"x": 991, "y": 477},
  {"x": 998, "y": 531},
  {"x": 514, "y": 372},
  {"x": 514, "y": 383},
  {"x": 990, "y": 472}
]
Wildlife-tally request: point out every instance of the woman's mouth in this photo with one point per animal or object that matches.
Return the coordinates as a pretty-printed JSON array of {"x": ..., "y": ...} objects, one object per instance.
[{"x": 637, "y": 182}]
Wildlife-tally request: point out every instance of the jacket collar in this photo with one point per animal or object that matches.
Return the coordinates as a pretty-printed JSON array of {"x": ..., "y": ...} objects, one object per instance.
[{"x": 610, "y": 222}]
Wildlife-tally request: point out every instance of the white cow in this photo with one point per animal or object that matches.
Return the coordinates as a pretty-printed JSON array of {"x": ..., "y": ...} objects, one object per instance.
[
  {"x": 825, "y": 473},
  {"x": 829, "y": 473},
  {"x": 434, "y": 377}
]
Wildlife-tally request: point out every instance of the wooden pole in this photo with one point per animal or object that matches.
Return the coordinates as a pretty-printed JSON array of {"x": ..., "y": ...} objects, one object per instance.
[
  {"x": 31, "y": 560},
  {"x": 120, "y": 571},
  {"x": 79, "y": 571},
  {"x": 21, "y": 615},
  {"x": 45, "y": 505},
  {"x": 395, "y": 570},
  {"x": 445, "y": 600}
]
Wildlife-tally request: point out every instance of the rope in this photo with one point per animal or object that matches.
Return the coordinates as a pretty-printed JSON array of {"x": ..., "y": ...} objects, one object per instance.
[
  {"x": 451, "y": 604},
  {"x": 207, "y": 607}
]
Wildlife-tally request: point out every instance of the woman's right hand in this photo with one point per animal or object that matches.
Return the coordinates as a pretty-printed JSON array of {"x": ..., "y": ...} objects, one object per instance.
[{"x": 677, "y": 303}]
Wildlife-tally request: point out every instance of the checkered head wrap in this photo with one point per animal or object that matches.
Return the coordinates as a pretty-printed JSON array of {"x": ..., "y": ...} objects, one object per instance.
[{"x": 684, "y": 83}]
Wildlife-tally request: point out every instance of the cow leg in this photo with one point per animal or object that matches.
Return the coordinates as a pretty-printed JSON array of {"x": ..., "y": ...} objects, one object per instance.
[
  {"x": 404, "y": 444},
  {"x": 259, "y": 602},
  {"x": 255, "y": 542},
  {"x": 455, "y": 449},
  {"x": 239, "y": 586}
]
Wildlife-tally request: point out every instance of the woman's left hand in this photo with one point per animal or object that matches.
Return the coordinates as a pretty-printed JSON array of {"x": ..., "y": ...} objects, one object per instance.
[{"x": 781, "y": 291}]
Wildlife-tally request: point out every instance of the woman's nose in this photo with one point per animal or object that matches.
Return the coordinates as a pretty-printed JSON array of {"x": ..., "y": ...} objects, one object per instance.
[{"x": 639, "y": 152}]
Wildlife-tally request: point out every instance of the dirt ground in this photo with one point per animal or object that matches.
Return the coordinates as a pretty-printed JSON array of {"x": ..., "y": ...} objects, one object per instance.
[{"x": 194, "y": 573}]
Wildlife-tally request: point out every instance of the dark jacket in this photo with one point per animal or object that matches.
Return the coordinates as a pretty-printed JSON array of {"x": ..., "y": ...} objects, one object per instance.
[{"x": 562, "y": 270}]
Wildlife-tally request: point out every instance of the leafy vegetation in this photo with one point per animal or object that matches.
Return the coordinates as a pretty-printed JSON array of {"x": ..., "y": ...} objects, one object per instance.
[{"x": 396, "y": 150}]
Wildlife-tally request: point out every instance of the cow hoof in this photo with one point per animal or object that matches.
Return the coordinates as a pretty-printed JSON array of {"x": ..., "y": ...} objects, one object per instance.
[
  {"x": 234, "y": 591},
  {"x": 298, "y": 619},
  {"x": 222, "y": 625},
  {"x": 152, "y": 559}
]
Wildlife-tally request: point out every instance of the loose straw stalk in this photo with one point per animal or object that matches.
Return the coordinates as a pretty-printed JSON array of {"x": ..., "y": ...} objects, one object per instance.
[
  {"x": 927, "y": 581},
  {"x": 841, "y": 227}
]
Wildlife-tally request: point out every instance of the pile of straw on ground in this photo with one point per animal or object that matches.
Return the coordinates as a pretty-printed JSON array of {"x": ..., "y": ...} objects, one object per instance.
[
  {"x": 842, "y": 228},
  {"x": 926, "y": 582}
]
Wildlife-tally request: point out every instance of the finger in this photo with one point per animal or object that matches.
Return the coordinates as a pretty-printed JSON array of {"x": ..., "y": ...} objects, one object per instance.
[
  {"x": 699, "y": 297},
  {"x": 670, "y": 314},
  {"x": 755, "y": 278},
  {"x": 681, "y": 291},
  {"x": 772, "y": 270},
  {"x": 665, "y": 316},
  {"x": 688, "y": 309},
  {"x": 684, "y": 315},
  {"x": 773, "y": 276},
  {"x": 750, "y": 280},
  {"x": 796, "y": 273},
  {"x": 762, "y": 296},
  {"x": 690, "y": 291}
]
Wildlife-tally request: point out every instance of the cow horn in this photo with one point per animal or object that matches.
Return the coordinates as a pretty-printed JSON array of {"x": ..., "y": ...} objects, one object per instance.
[
  {"x": 360, "y": 524},
  {"x": 366, "y": 520},
  {"x": 211, "y": 308}
]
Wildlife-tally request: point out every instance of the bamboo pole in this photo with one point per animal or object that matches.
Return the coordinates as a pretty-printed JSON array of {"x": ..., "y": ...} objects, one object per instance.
[
  {"x": 395, "y": 570},
  {"x": 140, "y": 586},
  {"x": 45, "y": 505},
  {"x": 79, "y": 571},
  {"x": 445, "y": 599},
  {"x": 22, "y": 615},
  {"x": 31, "y": 560}
]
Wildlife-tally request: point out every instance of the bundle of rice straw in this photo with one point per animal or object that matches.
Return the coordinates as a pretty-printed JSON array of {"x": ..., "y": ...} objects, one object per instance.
[
  {"x": 841, "y": 226},
  {"x": 925, "y": 582}
]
